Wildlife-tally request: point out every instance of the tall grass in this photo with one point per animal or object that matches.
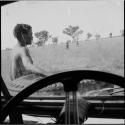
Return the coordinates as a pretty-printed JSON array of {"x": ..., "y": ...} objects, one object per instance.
[{"x": 103, "y": 55}]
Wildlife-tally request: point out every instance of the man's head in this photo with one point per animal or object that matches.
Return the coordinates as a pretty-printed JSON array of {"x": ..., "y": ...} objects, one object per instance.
[{"x": 23, "y": 33}]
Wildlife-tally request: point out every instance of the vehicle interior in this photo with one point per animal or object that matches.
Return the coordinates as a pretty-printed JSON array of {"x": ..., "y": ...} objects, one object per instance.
[
  {"x": 68, "y": 96},
  {"x": 100, "y": 109}
]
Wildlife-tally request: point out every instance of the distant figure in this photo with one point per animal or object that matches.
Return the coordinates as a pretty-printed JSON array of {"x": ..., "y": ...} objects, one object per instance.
[
  {"x": 67, "y": 44},
  {"x": 22, "y": 63},
  {"x": 110, "y": 35}
]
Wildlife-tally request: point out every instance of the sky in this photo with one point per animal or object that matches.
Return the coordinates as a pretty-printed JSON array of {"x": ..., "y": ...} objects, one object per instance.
[{"x": 93, "y": 16}]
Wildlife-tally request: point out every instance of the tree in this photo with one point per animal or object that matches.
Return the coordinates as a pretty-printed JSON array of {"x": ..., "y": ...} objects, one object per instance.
[
  {"x": 73, "y": 31},
  {"x": 55, "y": 40},
  {"x": 39, "y": 43},
  {"x": 8, "y": 49},
  {"x": 70, "y": 30},
  {"x": 89, "y": 35},
  {"x": 97, "y": 36},
  {"x": 76, "y": 36},
  {"x": 42, "y": 37}
]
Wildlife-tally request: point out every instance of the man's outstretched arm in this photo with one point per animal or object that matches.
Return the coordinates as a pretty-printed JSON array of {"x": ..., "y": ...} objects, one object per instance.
[{"x": 28, "y": 64}]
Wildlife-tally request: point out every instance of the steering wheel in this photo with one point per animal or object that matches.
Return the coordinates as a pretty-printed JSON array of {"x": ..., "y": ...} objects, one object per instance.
[{"x": 70, "y": 79}]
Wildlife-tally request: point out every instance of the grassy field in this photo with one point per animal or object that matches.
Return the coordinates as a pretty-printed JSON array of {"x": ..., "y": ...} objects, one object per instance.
[{"x": 103, "y": 55}]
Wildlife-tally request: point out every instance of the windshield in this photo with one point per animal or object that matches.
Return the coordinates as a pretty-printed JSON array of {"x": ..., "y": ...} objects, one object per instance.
[{"x": 66, "y": 36}]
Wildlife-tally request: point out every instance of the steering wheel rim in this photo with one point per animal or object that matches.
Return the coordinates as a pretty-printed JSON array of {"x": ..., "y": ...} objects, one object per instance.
[{"x": 64, "y": 76}]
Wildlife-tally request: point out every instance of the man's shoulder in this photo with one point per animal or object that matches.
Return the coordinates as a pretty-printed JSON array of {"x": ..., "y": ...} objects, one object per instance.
[{"x": 18, "y": 50}]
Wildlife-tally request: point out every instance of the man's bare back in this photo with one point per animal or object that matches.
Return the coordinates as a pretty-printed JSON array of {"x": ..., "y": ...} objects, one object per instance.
[
  {"x": 22, "y": 63},
  {"x": 18, "y": 69}
]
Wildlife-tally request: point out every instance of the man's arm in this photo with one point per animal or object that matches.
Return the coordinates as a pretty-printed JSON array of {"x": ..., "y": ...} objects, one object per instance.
[{"x": 28, "y": 64}]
